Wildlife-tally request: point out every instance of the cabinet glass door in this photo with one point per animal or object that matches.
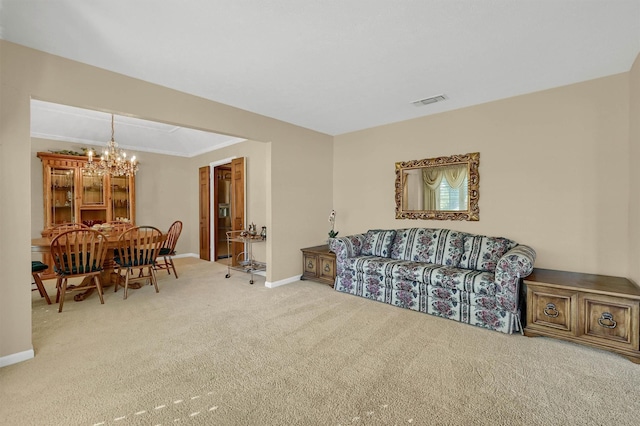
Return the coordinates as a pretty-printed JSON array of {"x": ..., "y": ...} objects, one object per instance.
[
  {"x": 92, "y": 189},
  {"x": 62, "y": 196},
  {"x": 93, "y": 205},
  {"x": 121, "y": 198}
]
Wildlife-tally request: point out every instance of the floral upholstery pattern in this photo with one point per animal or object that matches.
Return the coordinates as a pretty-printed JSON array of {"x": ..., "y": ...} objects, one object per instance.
[
  {"x": 441, "y": 285},
  {"x": 346, "y": 247},
  {"x": 379, "y": 265},
  {"x": 438, "y": 246},
  {"x": 415, "y": 271},
  {"x": 483, "y": 253},
  {"x": 378, "y": 242},
  {"x": 515, "y": 264}
]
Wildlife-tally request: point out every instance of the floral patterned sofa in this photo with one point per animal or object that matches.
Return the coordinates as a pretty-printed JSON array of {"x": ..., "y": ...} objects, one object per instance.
[{"x": 469, "y": 278}]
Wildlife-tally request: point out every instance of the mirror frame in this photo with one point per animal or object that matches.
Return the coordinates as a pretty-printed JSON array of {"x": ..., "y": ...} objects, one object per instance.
[{"x": 472, "y": 160}]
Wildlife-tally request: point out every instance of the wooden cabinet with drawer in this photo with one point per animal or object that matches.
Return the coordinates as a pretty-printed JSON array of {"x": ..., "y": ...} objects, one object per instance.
[
  {"x": 552, "y": 309},
  {"x": 596, "y": 310},
  {"x": 319, "y": 264}
]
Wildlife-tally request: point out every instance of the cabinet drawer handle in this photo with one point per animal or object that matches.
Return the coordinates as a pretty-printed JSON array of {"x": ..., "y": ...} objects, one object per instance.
[
  {"x": 551, "y": 311},
  {"x": 310, "y": 264},
  {"x": 606, "y": 316},
  {"x": 327, "y": 268}
]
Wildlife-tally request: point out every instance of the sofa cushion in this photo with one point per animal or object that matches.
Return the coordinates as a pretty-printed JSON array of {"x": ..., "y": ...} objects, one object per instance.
[
  {"x": 436, "y": 246},
  {"x": 413, "y": 271},
  {"x": 482, "y": 253},
  {"x": 471, "y": 281},
  {"x": 406, "y": 275},
  {"x": 378, "y": 242},
  {"x": 370, "y": 265}
]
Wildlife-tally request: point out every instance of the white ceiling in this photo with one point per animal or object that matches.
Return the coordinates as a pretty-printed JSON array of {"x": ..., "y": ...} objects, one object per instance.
[
  {"x": 337, "y": 66},
  {"x": 88, "y": 127}
]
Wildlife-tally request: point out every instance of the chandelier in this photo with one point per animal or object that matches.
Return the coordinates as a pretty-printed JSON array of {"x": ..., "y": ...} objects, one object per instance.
[{"x": 113, "y": 160}]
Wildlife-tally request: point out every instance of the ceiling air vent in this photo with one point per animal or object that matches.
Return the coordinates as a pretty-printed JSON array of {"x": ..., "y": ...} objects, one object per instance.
[{"x": 431, "y": 100}]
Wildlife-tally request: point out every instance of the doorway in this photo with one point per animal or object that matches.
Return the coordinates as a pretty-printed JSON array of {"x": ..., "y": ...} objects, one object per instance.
[{"x": 222, "y": 210}]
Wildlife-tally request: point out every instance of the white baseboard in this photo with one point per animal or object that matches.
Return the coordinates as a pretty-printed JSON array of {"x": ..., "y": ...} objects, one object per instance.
[
  {"x": 16, "y": 358},
  {"x": 282, "y": 282}
]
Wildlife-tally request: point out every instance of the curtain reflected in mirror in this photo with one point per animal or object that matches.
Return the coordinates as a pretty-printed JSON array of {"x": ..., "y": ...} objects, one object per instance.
[{"x": 443, "y": 188}]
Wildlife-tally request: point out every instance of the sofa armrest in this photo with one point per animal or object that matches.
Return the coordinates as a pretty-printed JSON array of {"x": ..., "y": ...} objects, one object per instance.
[
  {"x": 345, "y": 247},
  {"x": 517, "y": 263}
]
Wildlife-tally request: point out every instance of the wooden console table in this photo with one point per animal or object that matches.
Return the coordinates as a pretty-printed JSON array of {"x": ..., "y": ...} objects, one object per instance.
[
  {"x": 319, "y": 264},
  {"x": 595, "y": 310}
]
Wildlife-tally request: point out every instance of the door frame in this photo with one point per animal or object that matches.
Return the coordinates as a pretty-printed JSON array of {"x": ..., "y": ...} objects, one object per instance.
[{"x": 213, "y": 203}]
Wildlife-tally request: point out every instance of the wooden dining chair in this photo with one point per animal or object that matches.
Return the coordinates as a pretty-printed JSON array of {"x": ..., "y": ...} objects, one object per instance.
[
  {"x": 168, "y": 249},
  {"x": 115, "y": 228},
  {"x": 78, "y": 253},
  {"x": 138, "y": 248},
  {"x": 118, "y": 227},
  {"x": 36, "y": 268},
  {"x": 63, "y": 227}
]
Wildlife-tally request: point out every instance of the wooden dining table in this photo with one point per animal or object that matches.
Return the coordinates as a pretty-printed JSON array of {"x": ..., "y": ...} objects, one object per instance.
[{"x": 108, "y": 276}]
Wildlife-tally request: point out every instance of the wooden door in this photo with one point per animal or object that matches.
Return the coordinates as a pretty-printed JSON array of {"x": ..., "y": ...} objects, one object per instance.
[
  {"x": 205, "y": 213},
  {"x": 237, "y": 204}
]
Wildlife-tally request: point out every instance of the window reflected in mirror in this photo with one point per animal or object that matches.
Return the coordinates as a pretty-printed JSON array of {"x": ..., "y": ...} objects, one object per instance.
[{"x": 443, "y": 188}]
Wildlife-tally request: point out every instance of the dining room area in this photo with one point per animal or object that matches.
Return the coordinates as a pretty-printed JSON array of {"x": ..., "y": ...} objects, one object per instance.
[
  {"x": 105, "y": 189},
  {"x": 89, "y": 227}
]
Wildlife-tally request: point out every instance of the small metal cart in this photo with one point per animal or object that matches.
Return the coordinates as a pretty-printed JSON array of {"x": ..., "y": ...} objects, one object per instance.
[{"x": 245, "y": 260}]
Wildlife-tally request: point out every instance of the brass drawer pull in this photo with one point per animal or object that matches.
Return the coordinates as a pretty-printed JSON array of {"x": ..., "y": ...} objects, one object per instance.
[
  {"x": 551, "y": 311},
  {"x": 327, "y": 268},
  {"x": 606, "y": 316},
  {"x": 310, "y": 265}
]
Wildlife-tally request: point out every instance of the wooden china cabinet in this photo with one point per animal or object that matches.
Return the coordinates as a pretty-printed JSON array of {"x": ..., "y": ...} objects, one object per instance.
[{"x": 72, "y": 193}]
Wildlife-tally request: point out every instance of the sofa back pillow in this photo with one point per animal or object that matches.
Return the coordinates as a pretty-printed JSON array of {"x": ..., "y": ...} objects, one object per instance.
[
  {"x": 436, "y": 246},
  {"x": 378, "y": 242},
  {"x": 482, "y": 253}
]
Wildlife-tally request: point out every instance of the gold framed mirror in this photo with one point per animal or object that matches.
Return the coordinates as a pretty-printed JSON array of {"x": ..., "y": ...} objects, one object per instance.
[{"x": 442, "y": 188}]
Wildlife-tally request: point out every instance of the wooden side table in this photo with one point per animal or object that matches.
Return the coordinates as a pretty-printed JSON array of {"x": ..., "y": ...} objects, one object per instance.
[
  {"x": 319, "y": 264},
  {"x": 595, "y": 310}
]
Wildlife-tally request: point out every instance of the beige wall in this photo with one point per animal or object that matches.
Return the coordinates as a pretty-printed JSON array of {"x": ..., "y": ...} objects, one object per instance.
[
  {"x": 554, "y": 172},
  {"x": 634, "y": 189},
  {"x": 294, "y": 220}
]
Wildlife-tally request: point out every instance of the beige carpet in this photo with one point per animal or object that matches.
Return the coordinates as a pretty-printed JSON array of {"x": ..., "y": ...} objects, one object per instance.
[{"x": 213, "y": 351}]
